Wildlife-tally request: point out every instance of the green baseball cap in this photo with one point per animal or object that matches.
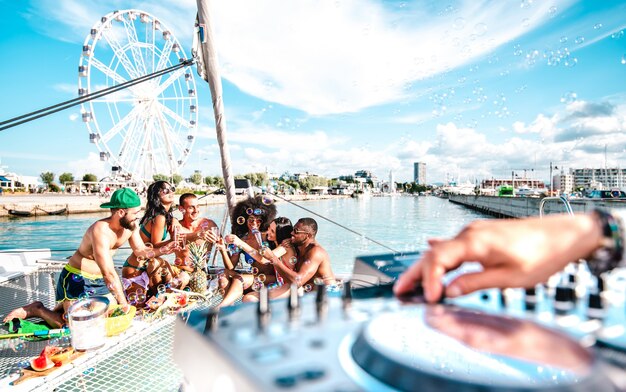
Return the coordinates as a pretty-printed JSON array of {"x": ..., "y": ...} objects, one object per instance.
[{"x": 123, "y": 198}]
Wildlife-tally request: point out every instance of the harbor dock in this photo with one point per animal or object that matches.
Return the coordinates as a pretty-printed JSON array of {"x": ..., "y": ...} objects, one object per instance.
[{"x": 519, "y": 207}]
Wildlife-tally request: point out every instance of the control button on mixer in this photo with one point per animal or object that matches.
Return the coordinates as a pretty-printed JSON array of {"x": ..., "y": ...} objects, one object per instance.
[
  {"x": 286, "y": 381},
  {"x": 313, "y": 374},
  {"x": 317, "y": 343}
]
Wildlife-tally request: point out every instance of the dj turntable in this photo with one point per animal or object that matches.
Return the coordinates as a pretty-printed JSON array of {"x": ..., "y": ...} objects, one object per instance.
[{"x": 568, "y": 336}]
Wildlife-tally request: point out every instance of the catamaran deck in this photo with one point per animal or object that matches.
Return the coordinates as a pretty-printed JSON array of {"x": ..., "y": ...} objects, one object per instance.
[{"x": 139, "y": 359}]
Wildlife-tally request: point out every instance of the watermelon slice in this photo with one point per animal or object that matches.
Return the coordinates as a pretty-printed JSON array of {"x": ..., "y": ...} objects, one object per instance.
[{"x": 41, "y": 363}]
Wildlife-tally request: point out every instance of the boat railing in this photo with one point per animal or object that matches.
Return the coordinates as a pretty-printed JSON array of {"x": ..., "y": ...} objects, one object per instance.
[{"x": 562, "y": 199}]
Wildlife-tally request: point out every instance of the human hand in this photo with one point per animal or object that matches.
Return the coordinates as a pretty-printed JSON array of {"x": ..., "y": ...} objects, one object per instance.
[
  {"x": 126, "y": 308},
  {"x": 513, "y": 253},
  {"x": 169, "y": 248},
  {"x": 211, "y": 236},
  {"x": 231, "y": 239}
]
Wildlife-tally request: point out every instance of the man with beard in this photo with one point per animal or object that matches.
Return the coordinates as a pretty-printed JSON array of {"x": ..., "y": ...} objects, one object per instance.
[
  {"x": 90, "y": 270},
  {"x": 312, "y": 266}
]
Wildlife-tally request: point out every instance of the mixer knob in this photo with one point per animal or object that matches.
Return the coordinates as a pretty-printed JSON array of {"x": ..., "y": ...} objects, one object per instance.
[
  {"x": 321, "y": 302},
  {"x": 212, "y": 321},
  {"x": 600, "y": 284},
  {"x": 293, "y": 302},
  {"x": 502, "y": 298},
  {"x": 263, "y": 311},
  {"x": 564, "y": 299},
  {"x": 595, "y": 306},
  {"x": 530, "y": 298},
  {"x": 346, "y": 295}
]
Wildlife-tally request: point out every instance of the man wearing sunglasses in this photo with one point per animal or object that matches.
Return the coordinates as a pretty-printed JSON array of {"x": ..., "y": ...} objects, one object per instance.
[{"x": 312, "y": 266}]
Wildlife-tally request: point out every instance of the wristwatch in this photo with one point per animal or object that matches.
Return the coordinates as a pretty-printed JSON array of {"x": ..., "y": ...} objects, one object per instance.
[{"x": 611, "y": 251}]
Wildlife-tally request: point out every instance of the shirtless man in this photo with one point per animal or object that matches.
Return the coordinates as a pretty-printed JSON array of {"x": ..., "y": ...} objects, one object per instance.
[
  {"x": 313, "y": 263},
  {"x": 192, "y": 223},
  {"x": 90, "y": 270}
]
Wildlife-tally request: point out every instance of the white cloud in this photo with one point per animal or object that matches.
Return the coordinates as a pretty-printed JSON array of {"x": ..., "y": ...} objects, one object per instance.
[
  {"x": 331, "y": 57},
  {"x": 542, "y": 125},
  {"x": 91, "y": 164},
  {"x": 344, "y": 56}
]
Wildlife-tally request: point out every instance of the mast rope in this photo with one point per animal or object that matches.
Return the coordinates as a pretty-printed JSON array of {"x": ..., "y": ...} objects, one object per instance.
[
  {"x": 337, "y": 224},
  {"x": 86, "y": 98}
]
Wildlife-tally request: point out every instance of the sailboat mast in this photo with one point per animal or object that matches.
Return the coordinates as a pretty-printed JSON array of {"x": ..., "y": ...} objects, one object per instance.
[{"x": 208, "y": 69}]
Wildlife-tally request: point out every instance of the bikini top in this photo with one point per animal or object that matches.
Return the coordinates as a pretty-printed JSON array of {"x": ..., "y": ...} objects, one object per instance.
[{"x": 143, "y": 229}]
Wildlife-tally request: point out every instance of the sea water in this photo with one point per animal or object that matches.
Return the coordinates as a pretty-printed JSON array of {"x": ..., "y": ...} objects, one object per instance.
[{"x": 383, "y": 224}]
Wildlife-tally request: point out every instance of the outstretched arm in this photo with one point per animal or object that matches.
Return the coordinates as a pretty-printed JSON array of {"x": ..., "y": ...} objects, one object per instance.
[
  {"x": 142, "y": 251},
  {"x": 513, "y": 253},
  {"x": 241, "y": 244}
]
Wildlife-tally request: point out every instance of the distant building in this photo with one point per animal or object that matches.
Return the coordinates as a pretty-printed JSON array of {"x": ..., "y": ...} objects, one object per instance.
[
  {"x": 608, "y": 178},
  {"x": 14, "y": 181},
  {"x": 564, "y": 183},
  {"x": 517, "y": 182},
  {"x": 419, "y": 173}
]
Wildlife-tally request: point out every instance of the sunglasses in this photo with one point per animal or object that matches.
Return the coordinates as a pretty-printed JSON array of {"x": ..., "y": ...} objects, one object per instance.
[
  {"x": 166, "y": 191},
  {"x": 254, "y": 219},
  {"x": 300, "y": 232}
]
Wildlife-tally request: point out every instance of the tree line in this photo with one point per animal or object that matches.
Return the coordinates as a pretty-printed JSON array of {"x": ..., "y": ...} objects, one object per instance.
[{"x": 256, "y": 179}]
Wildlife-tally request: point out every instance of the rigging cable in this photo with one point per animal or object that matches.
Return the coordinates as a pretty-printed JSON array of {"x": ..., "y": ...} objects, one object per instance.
[
  {"x": 73, "y": 102},
  {"x": 337, "y": 223}
]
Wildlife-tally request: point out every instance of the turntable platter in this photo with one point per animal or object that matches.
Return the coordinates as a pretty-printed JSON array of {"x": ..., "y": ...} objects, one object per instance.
[{"x": 439, "y": 347}]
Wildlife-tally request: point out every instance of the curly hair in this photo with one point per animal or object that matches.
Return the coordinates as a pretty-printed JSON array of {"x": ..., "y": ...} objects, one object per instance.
[
  {"x": 260, "y": 206},
  {"x": 154, "y": 207}
]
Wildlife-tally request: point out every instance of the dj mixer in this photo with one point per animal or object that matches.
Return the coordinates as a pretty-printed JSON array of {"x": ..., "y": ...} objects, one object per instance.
[{"x": 566, "y": 335}]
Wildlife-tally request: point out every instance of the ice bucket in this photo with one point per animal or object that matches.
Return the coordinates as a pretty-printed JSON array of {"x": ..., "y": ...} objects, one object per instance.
[{"x": 87, "y": 322}]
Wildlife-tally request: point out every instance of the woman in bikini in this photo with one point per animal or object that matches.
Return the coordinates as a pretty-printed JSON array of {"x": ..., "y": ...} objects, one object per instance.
[{"x": 146, "y": 275}]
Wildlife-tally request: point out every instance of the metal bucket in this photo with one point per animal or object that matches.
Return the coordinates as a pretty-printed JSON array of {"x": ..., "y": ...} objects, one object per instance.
[{"x": 87, "y": 322}]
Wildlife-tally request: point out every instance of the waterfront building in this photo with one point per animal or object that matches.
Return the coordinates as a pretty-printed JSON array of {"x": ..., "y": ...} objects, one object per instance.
[
  {"x": 14, "y": 181},
  {"x": 419, "y": 173},
  {"x": 564, "y": 183},
  {"x": 517, "y": 182},
  {"x": 606, "y": 178}
]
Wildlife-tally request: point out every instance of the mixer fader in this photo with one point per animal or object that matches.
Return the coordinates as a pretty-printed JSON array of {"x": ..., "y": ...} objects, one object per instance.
[{"x": 566, "y": 335}]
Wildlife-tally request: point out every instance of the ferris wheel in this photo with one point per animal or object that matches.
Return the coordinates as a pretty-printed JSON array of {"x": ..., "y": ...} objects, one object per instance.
[{"x": 148, "y": 128}]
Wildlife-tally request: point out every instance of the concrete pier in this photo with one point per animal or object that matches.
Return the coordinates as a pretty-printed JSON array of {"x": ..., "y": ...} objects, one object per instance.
[
  {"x": 518, "y": 207},
  {"x": 40, "y": 205}
]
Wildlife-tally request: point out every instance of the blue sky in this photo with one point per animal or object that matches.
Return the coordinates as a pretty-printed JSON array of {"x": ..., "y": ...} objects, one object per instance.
[{"x": 473, "y": 88}]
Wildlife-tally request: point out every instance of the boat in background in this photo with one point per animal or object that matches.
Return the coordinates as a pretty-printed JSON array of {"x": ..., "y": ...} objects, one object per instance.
[
  {"x": 37, "y": 211},
  {"x": 527, "y": 192}
]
